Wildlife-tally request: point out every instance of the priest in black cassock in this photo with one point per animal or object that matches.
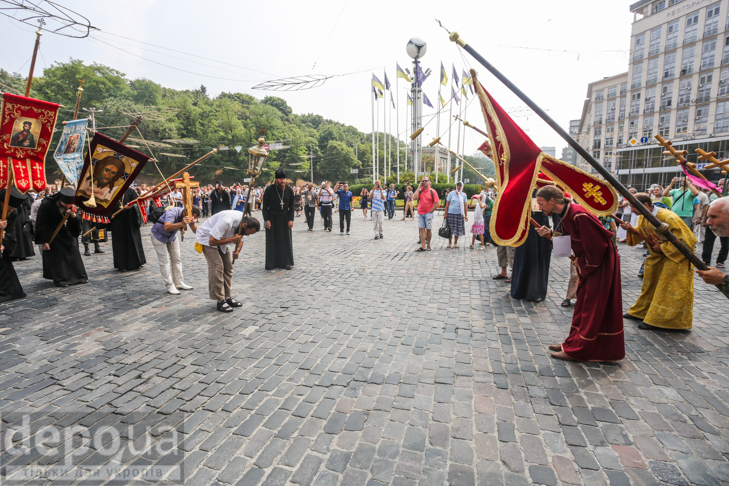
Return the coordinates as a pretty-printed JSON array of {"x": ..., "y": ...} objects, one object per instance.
[
  {"x": 278, "y": 214},
  {"x": 531, "y": 262},
  {"x": 126, "y": 239},
  {"x": 10, "y": 287},
  {"x": 61, "y": 259},
  {"x": 23, "y": 247}
]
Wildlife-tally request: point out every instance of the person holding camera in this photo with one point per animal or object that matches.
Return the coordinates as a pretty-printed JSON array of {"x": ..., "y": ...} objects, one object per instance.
[
  {"x": 378, "y": 208},
  {"x": 326, "y": 203},
  {"x": 391, "y": 196},
  {"x": 428, "y": 201},
  {"x": 345, "y": 205},
  {"x": 685, "y": 202}
]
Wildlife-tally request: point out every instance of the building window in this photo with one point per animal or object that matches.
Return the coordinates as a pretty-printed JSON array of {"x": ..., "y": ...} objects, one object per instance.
[
  {"x": 637, "y": 75},
  {"x": 648, "y": 127},
  {"x": 652, "y": 76},
  {"x": 687, "y": 60},
  {"x": 666, "y": 96},
  {"x": 632, "y": 134},
  {"x": 650, "y": 100},
  {"x": 722, "y": 117},
  {"x": 655, "y": 45},
  {"x": 612, "y": 91},
  {"x": 669, "y": 66},
  {"x": 684, "y": 93},
  {"x": 623, "y": 88},
  {"x": 708, "y": 53},
  {"x": 610, "y": 116},
  {"x": 598, "y": 113},
  {"x": 600, "y": 95},
  {"x": 701, "y": 120},
  {"x": 704, "y": 92},
  {"x": 682, "y": 118},
  {"x": 724, "y": 82},
  {"x": 672, "y": 35},
  {"x": 664, "y": 124},
  {"x": 597, "y": 139},
  {"x": 674, "y": 2},
  {"x": 711, "y": 26},
  {"x": 635, "y": 104},
  {"x": 692, "y": 23},
  {"x": 621, "y": 115},
  {"x": 609, "y": 141},
  {"x": 639, "y": 50},
  {"x": 658, "y": 6}
]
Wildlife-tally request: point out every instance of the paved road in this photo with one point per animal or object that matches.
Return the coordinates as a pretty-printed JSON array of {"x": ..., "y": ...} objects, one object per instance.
[{"x": 365, "y": 364}]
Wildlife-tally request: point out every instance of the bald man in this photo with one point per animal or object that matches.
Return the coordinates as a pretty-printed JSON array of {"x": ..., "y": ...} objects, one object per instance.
[{"x": 718, "y": 221}]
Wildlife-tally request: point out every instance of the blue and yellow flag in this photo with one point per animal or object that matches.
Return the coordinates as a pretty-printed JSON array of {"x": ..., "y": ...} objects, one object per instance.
[
  {"x": 426, "y": 100},
  {"x": 410, "y": 101},
  {"x": 463, "y": 91},
  {"x": 455, "y": 76},
  {"x": 467, "y": 80},
  {"x": 380, "y": 94},
  {"x": 387, "y": 82},
  {"x": 377, "y": 83},
  {"x": 391, "y": 99},
  {"x": 442, "y": 101},
  {"x": 443, "y": 75},
  {"x": 401, "y": 74},
  {"x": 454, "y": 95}
]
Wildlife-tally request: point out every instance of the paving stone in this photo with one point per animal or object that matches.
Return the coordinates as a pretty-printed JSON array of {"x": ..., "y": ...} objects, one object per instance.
[
  {"x": 460, "y": 474},
  {"x": 511, "y": 456},
  {"x": 668, "y": 473},
  {"x": 306, "y": 472},
  {"x": 566, "y": 470},
  {"x": 542, "y": 475}
]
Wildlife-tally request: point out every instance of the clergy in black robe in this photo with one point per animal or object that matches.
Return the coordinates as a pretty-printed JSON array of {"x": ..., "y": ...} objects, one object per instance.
[
  {"x": 126, "y": 239},
  {"x": 10, "y": 287},
  {"x": 61, "y": 259},
  {"x": 219, "y": 199},
  {"x": 23, "y": 247},
  {"x": 531, "y": 262},
  {"x": 278, "y": 214}
]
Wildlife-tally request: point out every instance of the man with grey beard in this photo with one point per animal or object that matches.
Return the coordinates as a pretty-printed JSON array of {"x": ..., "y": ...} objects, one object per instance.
[{"x": 718, "y": 221}]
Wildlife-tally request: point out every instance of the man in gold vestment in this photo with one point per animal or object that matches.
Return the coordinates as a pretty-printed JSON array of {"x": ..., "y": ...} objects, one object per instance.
[{"x": 667, "y": 297}]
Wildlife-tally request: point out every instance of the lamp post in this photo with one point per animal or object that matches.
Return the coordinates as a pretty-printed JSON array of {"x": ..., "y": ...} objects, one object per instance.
[
  {"x": 416, "y": 49},
  {"x": 257, "y": 156}
]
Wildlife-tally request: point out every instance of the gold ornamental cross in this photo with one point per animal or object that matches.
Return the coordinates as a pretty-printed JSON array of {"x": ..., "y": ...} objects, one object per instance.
[
  {"x": 592, "y": 190},
  {"x": 187, "y": 185}
]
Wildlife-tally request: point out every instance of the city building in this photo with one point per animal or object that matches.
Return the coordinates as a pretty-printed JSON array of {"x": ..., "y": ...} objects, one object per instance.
[
  {"x": 676, "y": 86},
  {"x": 569, "y": 155},
  {"x": 549, "y": 151}
]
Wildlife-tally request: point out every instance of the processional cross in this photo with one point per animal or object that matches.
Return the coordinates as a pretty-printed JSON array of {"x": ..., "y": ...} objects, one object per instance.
[
  {"x": 186, "y": 185},
  {"x": 680, "y": 156}
]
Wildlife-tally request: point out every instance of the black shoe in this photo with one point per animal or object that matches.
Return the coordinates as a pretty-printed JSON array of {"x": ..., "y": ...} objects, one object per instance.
[
  {"x": 86, "y": 251},
  {"x": 98, "y": 249},
  {"x": 382, "y": 236},
  {"x": 224, "y": 307},
  {"x": 233, "y": 303},
  {"x": 377, "y": 237},
  {"x": 647, "y": 327},
  {"x": 288, "y": 267},
  {"x": 631, "y": 317}
]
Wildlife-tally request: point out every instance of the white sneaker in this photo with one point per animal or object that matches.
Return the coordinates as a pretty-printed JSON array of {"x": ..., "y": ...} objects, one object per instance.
[
  {"x": 172, "y": 290},
  {"x": 183, "y": 286}
]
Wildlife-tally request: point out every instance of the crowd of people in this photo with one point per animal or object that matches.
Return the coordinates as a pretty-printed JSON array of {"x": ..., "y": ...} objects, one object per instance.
[{"x": 690, "y": 213}]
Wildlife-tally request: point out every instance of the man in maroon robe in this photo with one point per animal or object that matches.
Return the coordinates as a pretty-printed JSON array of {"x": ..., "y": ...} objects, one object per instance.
[{"x": 597, "y": 324}]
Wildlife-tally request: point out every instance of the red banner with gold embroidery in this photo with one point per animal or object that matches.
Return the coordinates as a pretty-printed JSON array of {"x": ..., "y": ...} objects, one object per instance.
[{"x": 26, "y": 129}]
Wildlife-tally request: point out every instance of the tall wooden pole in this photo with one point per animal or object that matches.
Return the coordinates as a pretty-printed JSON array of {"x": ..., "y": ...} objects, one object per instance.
[
  {"x": 660, "y": 227},
  {"x": 38, "y": 35}
]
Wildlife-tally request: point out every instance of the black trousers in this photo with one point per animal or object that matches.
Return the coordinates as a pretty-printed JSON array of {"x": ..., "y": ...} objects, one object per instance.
[
  {"x": 309, "y": 212},
  {"x": 326, "y": 214},
  {"x": 93, "y": 236},
  {"x": 709, "y": 239},
  {"x": 344, "y": 214}
]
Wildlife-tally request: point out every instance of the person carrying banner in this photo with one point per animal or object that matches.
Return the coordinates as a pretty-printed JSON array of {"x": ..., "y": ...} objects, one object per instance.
[
  {"x": 10, "y": 287},
  {"x": 667, "y": 296},
  {"x": 219, "y": 236},
  {"x": 597, "y": 324},
  {"x": 61, "y": 258}
]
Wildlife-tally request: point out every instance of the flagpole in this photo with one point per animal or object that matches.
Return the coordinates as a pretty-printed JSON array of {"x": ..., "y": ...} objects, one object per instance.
[
  {"x": 465, "y": 114},
  {"x": 661, "y": 228},
  {"x": 372, "y": 104},
  {"x": 377, "y": 144},
  {"x": 389, "y": 138},
  {"x": 397, "y": 122},
  {"x": 450, "y": 126},
  {"x": 459, "y": 175},
  {"x": 407, "y": 117},
  {"x": 384, "y": 137}
]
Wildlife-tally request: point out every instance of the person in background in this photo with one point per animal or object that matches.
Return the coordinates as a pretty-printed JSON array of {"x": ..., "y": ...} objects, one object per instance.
[
  {"x": 310, "y": 198},
  {"x": 718, "y": 223},
  {"x": 378, "y": 208},
  {"x": 239, "y": 200},
  {"x": 456, "y": 211},
  {"x": 363, "y": 200},
  {"x": 297, "y": 201},
  {"x": 345, "y": 205},
  {"x": 219, "y": 199},
  {"x": 326, "y": 203},
  {"x": 408, "y": 208},
  {"x": 167, "y": 246},
  {"x": 391, "y": 197},
  {"x": 477, "y": 228},
  {"x": 685, "y": 202},
  {"x": 427, "y": 204},
  {"x": 700, "y": 215}
]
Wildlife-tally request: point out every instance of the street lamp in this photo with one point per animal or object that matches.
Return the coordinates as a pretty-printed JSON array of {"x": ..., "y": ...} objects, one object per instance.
[
  {"x": 416, "y": 49},
  {"x": 256, "y": 158}
]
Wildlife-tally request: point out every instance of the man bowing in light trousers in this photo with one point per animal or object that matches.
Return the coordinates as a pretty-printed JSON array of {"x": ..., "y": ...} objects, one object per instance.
[{"x": 278, "y": 214}]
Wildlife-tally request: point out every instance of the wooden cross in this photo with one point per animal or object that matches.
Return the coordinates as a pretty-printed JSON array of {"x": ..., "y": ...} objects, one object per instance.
[
  {"x": 680, "y": 156},
  {"x": 186, "y": 185},
  {"x": 715, "y": 164}
]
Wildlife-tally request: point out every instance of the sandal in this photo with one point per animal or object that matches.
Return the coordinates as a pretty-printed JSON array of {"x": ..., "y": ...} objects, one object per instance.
[
  {"x": 455, "y": 247},
  {"x": 448, "y": 247},
  {"x": 421, "y": 249},
  {"x": 499, "y": 277},
  {"x": 471, "y": 247},
  {"x": 565, "y": 303},
  {"x": 719, "y": 265},
  {"x": 428, "y": 248}
]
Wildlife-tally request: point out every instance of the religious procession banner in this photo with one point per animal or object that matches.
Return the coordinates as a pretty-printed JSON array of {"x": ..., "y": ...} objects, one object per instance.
[
  {"x": 70, "y": 151},
  {"x": 26, "y": 129},
  {"x": 518, "y": 162},
  {"x": 109, "y": 169}
]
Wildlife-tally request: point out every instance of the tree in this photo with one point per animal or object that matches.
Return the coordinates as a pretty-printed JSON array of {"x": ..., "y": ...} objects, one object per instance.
[
  {"x": 278, "y": 103},
  {"x": 59, "y": 83},
  {"x": 146, "y": 92},
  {"x": 337, "y": 162}
]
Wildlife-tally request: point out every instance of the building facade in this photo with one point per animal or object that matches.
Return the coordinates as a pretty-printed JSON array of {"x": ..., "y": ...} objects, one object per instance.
[{"x": 677, "y": 85}]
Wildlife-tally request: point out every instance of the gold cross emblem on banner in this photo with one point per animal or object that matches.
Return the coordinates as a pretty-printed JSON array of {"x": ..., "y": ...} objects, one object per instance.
[{"x": 592, "y": 190}]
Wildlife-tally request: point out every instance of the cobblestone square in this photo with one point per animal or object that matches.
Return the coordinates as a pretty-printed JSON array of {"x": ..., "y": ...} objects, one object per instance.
[{"x": 367, "y": 364}]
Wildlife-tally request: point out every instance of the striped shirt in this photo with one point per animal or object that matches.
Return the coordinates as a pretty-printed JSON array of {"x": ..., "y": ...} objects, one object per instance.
[
  {"x": 325, "y": 198},
  {"x": 377, "y": 203}
]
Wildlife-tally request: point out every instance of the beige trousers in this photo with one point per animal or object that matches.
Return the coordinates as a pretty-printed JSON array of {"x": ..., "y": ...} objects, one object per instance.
[
  {"x": 506, "y": 256},
  {"x": 220, "y": 272},
  {"x": 377, "y": 218}
]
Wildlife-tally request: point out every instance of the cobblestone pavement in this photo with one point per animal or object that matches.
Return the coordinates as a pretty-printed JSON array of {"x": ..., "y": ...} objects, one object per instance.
[{"x": 365, "y": 364}]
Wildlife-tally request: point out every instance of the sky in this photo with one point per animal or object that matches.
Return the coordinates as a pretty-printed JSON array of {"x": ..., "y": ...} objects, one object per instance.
[{"x": 550, "y": 49}]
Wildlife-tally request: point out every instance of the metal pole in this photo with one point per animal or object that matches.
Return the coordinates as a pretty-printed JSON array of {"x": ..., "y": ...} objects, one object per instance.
[
  {"x": 38, "y": 35},
  {"x": 685, "y": 251},
  {"x": 397, "y": 122},
  {"x": 465, "y": 114},
  {"x": 377, "y": 144},
  {"x": 311, "y": 163},
  {"x": 372, "y": 105},
  {"x": 450, "y": 126}
]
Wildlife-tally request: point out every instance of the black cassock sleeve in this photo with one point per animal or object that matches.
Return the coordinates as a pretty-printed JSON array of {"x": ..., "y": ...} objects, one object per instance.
[
  {"x": 43, "y": 225},
  {"x": 291, "y": 212}
]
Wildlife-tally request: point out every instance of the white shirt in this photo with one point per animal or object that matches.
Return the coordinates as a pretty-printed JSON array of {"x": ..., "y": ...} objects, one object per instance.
[
  {"x": 220, "y": 226},
  {"x": 703, "y": 199}
]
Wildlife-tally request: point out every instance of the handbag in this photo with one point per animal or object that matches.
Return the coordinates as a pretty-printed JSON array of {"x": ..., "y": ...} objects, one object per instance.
[{"x": 444, "y": 231}]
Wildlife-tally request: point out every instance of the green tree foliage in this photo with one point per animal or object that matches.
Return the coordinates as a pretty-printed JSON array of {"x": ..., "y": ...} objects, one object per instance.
[{"x": 338, "y": 161}]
